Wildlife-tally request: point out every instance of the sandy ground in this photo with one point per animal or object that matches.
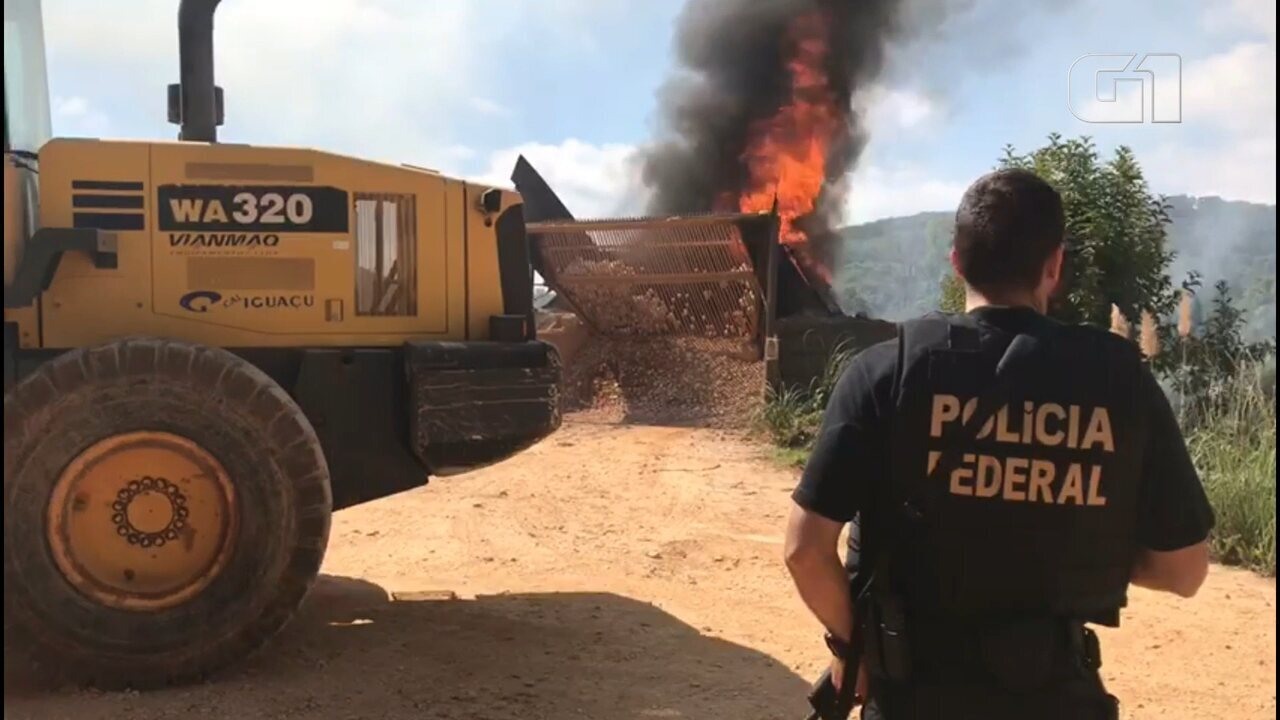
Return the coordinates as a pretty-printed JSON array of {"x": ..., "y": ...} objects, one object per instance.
[{"x": 621, "y": 572}]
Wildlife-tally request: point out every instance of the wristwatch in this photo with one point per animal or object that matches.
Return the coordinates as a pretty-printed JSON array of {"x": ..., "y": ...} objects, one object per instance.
[{"x": 838, "y": 647}]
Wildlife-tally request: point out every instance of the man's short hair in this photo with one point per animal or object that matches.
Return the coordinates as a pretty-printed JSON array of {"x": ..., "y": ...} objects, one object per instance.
[{"x": 1007, "y": 226}]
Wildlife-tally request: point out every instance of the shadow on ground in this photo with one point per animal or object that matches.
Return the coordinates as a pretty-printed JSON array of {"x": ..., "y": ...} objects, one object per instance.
[{"x": 354, "y": 652}]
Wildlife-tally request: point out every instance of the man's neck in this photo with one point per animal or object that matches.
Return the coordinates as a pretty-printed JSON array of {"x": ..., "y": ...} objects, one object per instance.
[{"x": 974, "y": 300}]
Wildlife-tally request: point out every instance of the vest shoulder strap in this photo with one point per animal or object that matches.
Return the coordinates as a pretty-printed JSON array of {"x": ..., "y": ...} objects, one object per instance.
[
  {"x": 933, "y": 331},
  {"x": 939, "y": 330}
]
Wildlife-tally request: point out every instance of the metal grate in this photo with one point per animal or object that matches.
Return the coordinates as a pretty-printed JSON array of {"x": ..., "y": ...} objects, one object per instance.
[{"x": 689, "y": 276}]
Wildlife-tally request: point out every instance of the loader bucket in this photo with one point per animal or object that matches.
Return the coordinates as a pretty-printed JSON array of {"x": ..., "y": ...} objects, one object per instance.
[
  {"x": 714, "y": 276},
  {"x": 690, "y": 276}
]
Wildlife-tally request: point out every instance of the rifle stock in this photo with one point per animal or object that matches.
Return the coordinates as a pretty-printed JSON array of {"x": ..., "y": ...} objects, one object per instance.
[
  {"x": 829, "y": 703},
  {"x": 826, "y": 701}
]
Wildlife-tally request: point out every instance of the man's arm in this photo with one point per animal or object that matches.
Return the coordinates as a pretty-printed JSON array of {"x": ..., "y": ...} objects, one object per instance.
[
  {"x": 814, "y": 561},
  {"x": 1175, "y": 517},
  {"x": 847, "y": 455},
  {"x": 1181, "y": 572}
]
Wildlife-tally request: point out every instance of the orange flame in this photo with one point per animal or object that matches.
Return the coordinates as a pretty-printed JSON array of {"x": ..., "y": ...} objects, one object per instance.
[{"x": 786, "y": 155}]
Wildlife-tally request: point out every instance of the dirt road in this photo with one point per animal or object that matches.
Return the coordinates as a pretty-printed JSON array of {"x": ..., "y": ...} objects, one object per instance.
[{"x": 620, "y": 572}]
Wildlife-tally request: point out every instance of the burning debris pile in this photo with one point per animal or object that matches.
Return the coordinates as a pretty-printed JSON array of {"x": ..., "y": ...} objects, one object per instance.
[
  {"x": 667, "y": 316},
  {"x": 761, "y": 110},
  {"x": 758, "y": 120},
  {"x": 649, "y": 277}
]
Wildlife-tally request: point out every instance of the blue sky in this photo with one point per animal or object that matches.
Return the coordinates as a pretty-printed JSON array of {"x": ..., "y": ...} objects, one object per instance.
[{"x": 466, "y": 86}]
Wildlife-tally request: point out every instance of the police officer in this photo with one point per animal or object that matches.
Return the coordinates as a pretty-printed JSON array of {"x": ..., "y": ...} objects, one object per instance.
[{"x": 1010, "y": 477}]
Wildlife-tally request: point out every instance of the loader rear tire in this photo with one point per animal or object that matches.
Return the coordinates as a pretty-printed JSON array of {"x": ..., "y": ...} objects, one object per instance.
[{"x": 166, "y": 508}]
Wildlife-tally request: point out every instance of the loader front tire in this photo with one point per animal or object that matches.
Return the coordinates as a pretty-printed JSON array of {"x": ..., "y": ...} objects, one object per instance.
[{"x": 166, "y": 508}]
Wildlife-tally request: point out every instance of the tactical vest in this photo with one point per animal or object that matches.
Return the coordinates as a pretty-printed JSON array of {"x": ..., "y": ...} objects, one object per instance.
[{"x": 1038, "y": 516}]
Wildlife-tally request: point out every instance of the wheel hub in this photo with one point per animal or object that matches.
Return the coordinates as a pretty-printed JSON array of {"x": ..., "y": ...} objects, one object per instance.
[
  {"x": 150, "y": 511},
  {"x": 142, "y": 521}
]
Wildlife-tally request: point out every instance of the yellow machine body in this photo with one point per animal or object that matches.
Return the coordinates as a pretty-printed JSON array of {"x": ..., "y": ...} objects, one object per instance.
[
  {"x": 242, "y": 246},
  {"x": 210, "y": 347}
]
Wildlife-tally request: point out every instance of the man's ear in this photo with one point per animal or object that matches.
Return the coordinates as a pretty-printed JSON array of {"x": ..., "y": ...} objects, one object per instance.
[
  {"x": 1051, "y": 277},
  {"x": 1053, "y": 268},
  {"x": 955, "y": 262}
]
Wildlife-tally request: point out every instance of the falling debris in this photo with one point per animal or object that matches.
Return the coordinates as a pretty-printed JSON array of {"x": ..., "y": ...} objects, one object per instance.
[{"x": 674, "y": 380}]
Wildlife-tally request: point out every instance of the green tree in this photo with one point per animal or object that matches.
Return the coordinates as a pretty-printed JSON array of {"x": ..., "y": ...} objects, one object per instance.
[
  {"x": 952, "y": 300},
  {"x": 1201, "y": 365},
  {"x": 1115, "y": 228}
]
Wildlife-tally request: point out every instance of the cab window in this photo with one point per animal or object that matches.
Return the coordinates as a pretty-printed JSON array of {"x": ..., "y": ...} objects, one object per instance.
[{"x": 26, "y": 89}]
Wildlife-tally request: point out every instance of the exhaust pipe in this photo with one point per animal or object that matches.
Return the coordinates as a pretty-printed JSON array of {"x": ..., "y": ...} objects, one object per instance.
[{"x": 195, "y": 103}]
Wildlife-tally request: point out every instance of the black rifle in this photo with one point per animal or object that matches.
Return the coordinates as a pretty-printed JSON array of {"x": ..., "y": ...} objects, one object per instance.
[
  {"x": 827, "y": 702},
  {"x": 831, "y": 704}
]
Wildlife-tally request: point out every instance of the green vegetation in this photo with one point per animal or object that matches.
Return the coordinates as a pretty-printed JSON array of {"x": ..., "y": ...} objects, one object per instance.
[
  {"x": 791, "y": 457},
  {"x": 1232, "y": 439},
  {"x": 952, "y": 300},
  {"x": 1115, "y": 227},
  {"x": 1223, "y": 389},
  {"x": 1219, "y": 377},
  {"x": 791, "y": 417},
  {"x": 896, "y": 268},
  {"x": 1199, "y": 358},
  {"x": 892, "y": 268}
]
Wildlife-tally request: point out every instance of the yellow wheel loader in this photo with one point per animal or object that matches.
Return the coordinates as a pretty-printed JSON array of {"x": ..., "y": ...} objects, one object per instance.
[{"x": 210, "y": 347}]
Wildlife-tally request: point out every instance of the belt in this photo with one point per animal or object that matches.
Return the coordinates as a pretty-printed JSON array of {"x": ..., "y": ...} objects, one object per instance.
[
  {"x": 1043, "y": 668},
  {"x": 1017, "y": 653},
  {"x": 976, "y": 702}
]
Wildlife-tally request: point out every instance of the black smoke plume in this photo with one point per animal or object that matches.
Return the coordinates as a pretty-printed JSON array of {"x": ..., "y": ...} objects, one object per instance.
[{"x": 732, "y": 72}]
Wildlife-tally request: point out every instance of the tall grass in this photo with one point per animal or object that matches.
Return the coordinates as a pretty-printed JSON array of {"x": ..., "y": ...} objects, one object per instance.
[
  {"x": 792, "y": 416},
  {"x": 1230, "y": 430},
  {"x": 1232, "y": 438}
]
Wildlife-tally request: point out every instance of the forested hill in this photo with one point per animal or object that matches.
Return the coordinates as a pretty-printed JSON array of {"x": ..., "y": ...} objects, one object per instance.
[{"x": 893, "y": 268}]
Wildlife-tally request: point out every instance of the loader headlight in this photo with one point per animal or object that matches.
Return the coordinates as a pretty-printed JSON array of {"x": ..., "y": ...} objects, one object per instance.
[{"x": 491, "y": 201}]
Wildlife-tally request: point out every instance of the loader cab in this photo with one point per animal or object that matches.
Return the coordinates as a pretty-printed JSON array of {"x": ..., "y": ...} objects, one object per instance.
[
  {"x": 26, "y": 123},
  {"x": 26, "y": 86}
]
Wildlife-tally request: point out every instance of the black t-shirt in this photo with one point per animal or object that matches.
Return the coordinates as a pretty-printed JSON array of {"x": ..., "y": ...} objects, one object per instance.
[{"x": 853, "y": 448}]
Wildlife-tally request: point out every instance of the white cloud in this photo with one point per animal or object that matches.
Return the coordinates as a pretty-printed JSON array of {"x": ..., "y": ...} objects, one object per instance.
[
  {"x": 879, "y": 192},
  {"x": 389, "y": 80},
  {"x": 486, "y": 106},
  {"x": 1241, "y": 169},
  {"x": 459, "y": 152},
  {"x": 76, "y": 117},
  {"x": 592, "y": 180},
  {"x": 896, "y": 108},
  {"x": 1231, "y": 97},
  {"x": 377, "y": 79},
  {"x": 1253, "y": 16},
  {"x": 1235, "y": 90},
  {"x": 70, "y": 107}
]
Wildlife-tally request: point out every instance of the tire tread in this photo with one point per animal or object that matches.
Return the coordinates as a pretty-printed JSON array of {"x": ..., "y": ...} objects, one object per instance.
[{"x": 149, "y": 368}]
